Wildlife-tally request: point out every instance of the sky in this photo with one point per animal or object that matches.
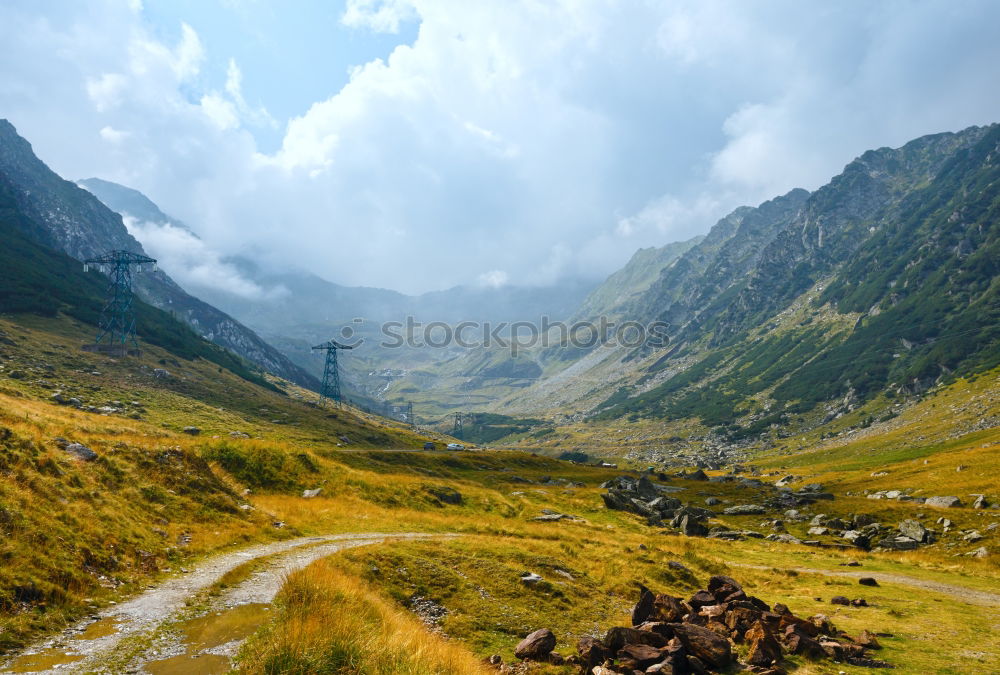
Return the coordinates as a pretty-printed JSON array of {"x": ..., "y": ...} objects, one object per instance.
[{"x": 421, "y": 144}]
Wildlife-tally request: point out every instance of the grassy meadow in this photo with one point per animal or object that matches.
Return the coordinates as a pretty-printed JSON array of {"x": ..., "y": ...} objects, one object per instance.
[{"x": 80, "y": 534}]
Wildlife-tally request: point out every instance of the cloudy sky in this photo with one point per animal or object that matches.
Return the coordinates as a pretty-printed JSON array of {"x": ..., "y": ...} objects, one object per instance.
[{"x": 419, "y": 144}]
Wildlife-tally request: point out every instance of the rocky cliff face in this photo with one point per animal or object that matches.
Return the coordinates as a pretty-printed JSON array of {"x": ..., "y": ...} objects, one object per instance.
[
  {"x": 63, "y": 216},
  {"x": 881, "y": 281}
]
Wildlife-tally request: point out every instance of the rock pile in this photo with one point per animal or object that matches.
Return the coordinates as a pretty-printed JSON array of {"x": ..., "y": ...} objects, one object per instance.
[{"x": 697, "y": 635}]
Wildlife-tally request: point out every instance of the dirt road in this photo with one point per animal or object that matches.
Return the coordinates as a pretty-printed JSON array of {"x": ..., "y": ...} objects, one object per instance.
[
  {"x": 961, "y": 593},
  {"x": 136, "y": 635}
]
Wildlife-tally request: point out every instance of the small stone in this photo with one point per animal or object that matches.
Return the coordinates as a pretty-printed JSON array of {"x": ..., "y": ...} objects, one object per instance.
[
  {"x": 867, "y": 581},
  {"x": 530, "y": 578}
]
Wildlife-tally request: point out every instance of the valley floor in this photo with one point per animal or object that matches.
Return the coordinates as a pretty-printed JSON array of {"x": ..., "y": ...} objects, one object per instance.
[{"x": 166, "y": 544}]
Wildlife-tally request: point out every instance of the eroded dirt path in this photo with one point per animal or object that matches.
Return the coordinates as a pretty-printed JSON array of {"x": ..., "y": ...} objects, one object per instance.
[
  {"x": 961, "y": 593},
  {"x": 126, "y": 636}
]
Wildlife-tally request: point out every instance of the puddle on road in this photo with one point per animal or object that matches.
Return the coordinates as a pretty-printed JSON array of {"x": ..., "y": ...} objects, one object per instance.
[
  {"x": 44, "y": 660},
  {"x": 60, "y": 656},
  {"x": 206, "y": 632},
  {"x": 190, "y": 664},
  {"x": 98, "y": 629}
]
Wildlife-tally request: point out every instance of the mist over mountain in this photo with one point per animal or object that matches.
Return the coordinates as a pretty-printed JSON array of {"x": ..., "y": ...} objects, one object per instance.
[{"x": 60, "y": 215}]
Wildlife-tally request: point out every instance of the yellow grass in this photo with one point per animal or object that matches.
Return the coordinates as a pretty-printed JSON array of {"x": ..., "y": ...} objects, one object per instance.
[{"x": 330, "y": 622}]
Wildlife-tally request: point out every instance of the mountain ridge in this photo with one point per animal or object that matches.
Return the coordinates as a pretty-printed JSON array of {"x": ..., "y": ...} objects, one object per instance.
[{"x": 63, "y": 216}]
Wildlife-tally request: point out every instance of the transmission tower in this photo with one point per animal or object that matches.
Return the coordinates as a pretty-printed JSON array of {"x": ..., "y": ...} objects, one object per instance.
[
  {"x": 457, "y": 430},
  {"x": 117, "y": 325},
  {"x": 331, "y": 371}
]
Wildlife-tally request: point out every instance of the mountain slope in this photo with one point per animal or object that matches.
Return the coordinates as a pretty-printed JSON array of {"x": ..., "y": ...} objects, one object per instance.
[
  {"x": 907, "y": 241},
  {"x": 65, "y": 217},
  {"x": 622, "y": 288},
  {"x": 879, "y": 284}
]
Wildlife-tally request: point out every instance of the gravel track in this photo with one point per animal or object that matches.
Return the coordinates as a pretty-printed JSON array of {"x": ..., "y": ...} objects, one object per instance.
[{"x": 144, "y": 613}]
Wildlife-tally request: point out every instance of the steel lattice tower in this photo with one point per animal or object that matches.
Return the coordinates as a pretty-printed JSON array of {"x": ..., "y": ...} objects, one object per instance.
[
  {"x": 330, "y": 388},
  {"x": 117, "y": 325}
]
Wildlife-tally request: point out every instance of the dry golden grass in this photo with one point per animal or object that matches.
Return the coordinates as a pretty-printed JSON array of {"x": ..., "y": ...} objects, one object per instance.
[{"x": 330, "y": 622}]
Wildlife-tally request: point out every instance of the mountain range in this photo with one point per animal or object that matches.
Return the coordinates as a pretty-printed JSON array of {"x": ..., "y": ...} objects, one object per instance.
[{"x": 880, "y": 284}]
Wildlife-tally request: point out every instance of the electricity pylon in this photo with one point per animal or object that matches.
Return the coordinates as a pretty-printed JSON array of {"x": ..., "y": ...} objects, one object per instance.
[
  {"x": 117, "y": 324},
  {"x": 330, "y": 388}
]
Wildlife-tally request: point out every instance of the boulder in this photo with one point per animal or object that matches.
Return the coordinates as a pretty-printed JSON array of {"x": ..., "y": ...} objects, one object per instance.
[
  {"x": 745, "y": 510},
  {"x": 944, "y": 502},
  {"x": 900, "y": 543},
  {"x": 536, "y": 646},
  {"x": 704, "y": 644},
  {"x": 309, "y": 494},
  {"x": 867, "y": 581},
  {"x": 691, "y": 526},
  {"x": 81, "y": 451},
  {"x": 914, "y": 530},
  {"x": 640, "y": 656},
  {"x": 592, "y": 653},
  {"x": 799, "y": 642},
  {"x": 866, "y": 639},
  {"x": 701, "y": 599},
  {"x": 619, "y": 636},
  {"x": 447, "y": 495},
  {"x": 645, "y": 608},
  {"x": 840, "y": 600},
  {"x": 191, "y": 431},
  {"x": 669, "y": 609},
  {"x": 764, "y": 647},
  {"x": 665, "y": 504}
]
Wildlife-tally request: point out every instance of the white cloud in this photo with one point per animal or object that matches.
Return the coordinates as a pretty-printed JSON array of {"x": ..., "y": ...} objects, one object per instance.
[
  {"x": 382, "y": 16},
  {"x": 112, "y": 135},
  {"x": 105, "y": 91},
  {"x": 494, "y": 279},
  {"x": 540, "y": 139},
  {"x": 192, "y": 263}
]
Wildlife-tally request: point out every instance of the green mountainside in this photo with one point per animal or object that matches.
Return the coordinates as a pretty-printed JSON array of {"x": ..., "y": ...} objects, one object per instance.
[
  {"x": 62, "y": 216},
  {"x": 878, "y": 285}
]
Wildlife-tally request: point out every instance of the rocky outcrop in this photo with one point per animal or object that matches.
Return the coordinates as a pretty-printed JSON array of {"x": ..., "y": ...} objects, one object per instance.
[{"x": 698, "y": 635}]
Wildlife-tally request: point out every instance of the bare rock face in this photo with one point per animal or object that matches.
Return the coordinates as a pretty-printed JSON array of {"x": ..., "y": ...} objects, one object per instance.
[{"x": 536, "y": 646}]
